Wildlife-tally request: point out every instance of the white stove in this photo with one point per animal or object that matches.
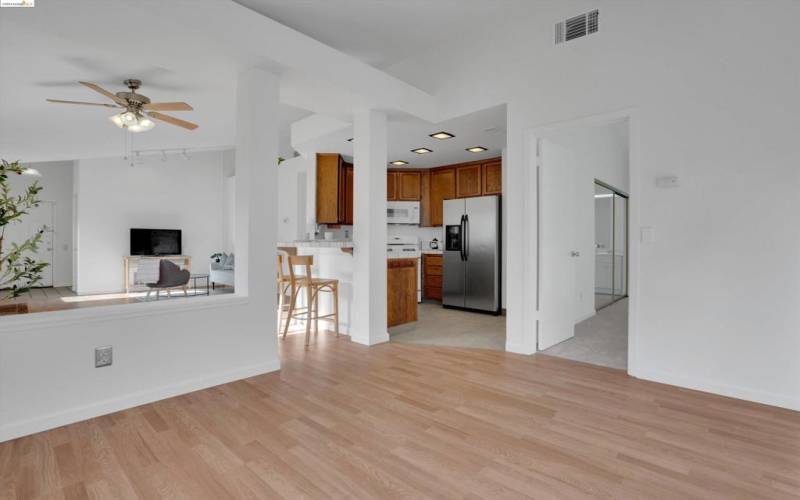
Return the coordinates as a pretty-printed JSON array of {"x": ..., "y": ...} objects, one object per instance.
[{"x": 407, "y": 247}]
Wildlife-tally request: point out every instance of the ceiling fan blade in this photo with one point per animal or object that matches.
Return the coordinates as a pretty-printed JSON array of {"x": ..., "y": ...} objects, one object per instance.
[
  {"x": 83, "y": 103},
  {"x": 172, "y": 120},
  {"x": 167, "y": 106},
  {"x": 101, "y": 90}
]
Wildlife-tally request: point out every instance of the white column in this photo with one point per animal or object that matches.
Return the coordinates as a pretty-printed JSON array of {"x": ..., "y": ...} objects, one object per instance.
[
  {"x": 256, "y": 206},
  {"x": 369, "y": 228}
]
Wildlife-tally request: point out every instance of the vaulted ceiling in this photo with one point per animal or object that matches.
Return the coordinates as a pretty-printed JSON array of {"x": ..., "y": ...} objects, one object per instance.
[{"x": 384, "y": 32}]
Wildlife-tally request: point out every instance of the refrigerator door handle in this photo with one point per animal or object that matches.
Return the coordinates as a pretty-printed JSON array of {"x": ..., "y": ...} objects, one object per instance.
[
  {"x": 461, "y": 247},
  {"x": 466, "y": 237}
]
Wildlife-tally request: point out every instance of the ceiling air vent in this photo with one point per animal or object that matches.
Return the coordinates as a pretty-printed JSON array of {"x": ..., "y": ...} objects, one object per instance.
[{"x": 578, "y": 26}]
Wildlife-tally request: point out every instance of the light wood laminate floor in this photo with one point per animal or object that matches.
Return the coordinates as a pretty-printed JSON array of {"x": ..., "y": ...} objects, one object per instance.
[{"x": 409, "y": 421}]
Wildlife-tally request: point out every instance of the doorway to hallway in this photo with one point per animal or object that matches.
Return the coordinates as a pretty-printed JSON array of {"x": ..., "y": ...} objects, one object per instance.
[{"x": 583, "y": 178}]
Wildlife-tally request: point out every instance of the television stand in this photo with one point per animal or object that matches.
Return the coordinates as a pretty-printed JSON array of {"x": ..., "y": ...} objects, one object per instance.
[{"x": 130, "y": 264}]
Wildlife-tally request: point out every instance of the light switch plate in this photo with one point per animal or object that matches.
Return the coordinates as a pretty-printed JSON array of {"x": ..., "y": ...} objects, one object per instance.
[
  {"x": 648, "y": 234},
  {"x": 667, "y": 181},
  {"x": 103, "y": 356}
]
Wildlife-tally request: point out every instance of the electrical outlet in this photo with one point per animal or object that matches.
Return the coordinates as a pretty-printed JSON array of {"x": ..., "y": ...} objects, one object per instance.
[{"x": 102, "y": 356}]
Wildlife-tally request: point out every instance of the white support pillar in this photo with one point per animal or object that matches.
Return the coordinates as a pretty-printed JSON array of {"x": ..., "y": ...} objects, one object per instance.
[
  {"x": 369, "y": 228},
  {"x": 256, "y": 190}
]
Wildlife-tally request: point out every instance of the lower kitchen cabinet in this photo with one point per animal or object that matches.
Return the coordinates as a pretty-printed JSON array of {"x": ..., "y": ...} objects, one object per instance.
[
  {"x": 401, "y": 286},
  {"x": 432, "y": 276}
]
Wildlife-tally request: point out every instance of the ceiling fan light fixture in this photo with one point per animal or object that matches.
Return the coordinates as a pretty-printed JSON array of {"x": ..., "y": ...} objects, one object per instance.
[{"x": 133, "y": 122}]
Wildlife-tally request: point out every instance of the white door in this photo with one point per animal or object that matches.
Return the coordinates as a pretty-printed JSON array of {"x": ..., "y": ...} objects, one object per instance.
[
  {"x": 557, "y": 244},
  {"x": 37, "y": 218}
]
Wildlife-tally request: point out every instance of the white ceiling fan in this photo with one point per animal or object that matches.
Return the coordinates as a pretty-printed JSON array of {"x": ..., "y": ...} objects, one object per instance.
[{"x": 138, "y": 108}]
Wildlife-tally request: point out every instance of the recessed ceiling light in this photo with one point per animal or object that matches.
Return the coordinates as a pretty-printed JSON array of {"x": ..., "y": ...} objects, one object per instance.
[
  {"x": 442, "y": 135},
  {"x": 350, "y": 140},
  {"x": 399, "y": 162},
  {"x": 422, "y": 151},
  {"x": 477, "y": 149}
]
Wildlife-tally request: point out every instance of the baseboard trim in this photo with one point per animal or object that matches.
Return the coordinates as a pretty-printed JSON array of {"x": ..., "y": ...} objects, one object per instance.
[
  {"x": 18, "y": 429},
  {"x": 379, "y": 340},
  {"x": 586, "y": 316},
  {"x": 713, "y": 387},
  {"x": 520, "y": 348}
]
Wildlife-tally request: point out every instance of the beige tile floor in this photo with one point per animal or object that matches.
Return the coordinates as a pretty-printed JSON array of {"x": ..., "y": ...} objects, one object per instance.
[
  {"x": 600, "y": 340},
  {"x": 452, "y": 327}
]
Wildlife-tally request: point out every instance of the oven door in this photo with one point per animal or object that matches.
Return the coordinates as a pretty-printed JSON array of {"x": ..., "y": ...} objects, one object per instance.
[{"x": 402, "y": 212}]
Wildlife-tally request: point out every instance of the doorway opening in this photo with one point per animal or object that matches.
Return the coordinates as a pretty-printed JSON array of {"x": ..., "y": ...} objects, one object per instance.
[{"x": 583, "y": 182}]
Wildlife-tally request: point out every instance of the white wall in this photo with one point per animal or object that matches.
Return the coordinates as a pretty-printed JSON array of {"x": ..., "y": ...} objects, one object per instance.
[
  {"x": 114, "y": 197},
  {"x": 56, "y": 179},
  {"x": 47, "y": 373},
  {"x": 595, "y": 152},
  {"x": 714, "y": 87},
  {"x": 293, "y": 202}
]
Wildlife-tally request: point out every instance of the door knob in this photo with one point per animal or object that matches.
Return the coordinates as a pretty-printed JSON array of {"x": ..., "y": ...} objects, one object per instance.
[{"x": 575, "y": 253}]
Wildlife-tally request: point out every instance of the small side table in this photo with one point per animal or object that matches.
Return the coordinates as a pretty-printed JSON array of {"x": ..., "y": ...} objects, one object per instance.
[{"x": 195, "y": 277}]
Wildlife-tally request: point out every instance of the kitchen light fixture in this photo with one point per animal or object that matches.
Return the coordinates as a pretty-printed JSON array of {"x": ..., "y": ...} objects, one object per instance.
[
  {"x": 133, "y": 122},
  {"x": 422, "y": 151},
  {"x": 477, "y": 149},
  {"x": 399, "y": 162},
  {"x": 442, "y": 135}
]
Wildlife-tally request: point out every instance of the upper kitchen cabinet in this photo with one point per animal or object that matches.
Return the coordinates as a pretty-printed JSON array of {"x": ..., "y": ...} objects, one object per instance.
[
  {"x": 492, "y": 177},
  {"x": 462, "y": 180},
  {"x": 334, "y": 189},
  {"x": 403, "y": 186},
  {"x": 443, "y": 187},
  {"x": 391, "y": 186},
  {"x": 408, "y": 186},
  {"x": 348, "y": 194},
  {"x": 468, "y": 181}
]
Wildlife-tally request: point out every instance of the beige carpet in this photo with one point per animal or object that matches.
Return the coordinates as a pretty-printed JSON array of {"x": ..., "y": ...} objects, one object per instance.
[
  {"x": 600, "y": 340},
  {"x": 451, "y": 327}
]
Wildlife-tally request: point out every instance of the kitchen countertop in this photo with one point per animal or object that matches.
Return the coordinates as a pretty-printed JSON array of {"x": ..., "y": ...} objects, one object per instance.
[
  {"x": 318, "y": 243},
  {"x": 432, "y": 252}
]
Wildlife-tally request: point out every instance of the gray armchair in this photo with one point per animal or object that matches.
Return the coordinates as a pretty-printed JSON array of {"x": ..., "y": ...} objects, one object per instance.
[{"x": 170, "y": 276}]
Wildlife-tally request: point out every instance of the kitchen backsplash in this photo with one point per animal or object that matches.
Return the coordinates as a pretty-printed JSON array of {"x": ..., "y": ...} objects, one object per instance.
[{"x": 425, "y": 234}]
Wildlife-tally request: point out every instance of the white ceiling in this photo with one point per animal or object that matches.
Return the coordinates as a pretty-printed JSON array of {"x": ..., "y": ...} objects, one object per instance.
[
  {"x": 485, "y": 128},
  {"x": 384, "y": 32},
  {"x": 47, "y": 49}
]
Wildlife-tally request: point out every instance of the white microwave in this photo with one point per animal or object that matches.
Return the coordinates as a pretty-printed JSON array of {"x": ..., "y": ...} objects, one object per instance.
[{"x": 402, "y": 212}]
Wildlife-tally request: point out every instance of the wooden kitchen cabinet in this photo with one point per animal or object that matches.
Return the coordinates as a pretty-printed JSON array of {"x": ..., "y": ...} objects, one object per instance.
[
  {"x": 468, "y": 181},
  {"x": 408, "y": 186},
  {"x": 348, "y": 194},
  {"x": 425, "y": 198},
  {"x": 391, "y": 186},
  {"x": 330, "y": 183},
  {"x": 432, "y": 276},
  {"x": 401, "y": 281},
  {"x": 334, "y": 189},
  {"x": 443, "y": 187},
  {"x": 492, "y": 177}
]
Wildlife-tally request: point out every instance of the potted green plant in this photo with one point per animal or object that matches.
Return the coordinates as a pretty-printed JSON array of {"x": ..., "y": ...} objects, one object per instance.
[{"x": 19, "y": 271}]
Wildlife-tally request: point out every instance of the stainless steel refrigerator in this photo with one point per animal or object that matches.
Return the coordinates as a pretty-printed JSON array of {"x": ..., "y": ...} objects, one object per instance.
[{"x": 472, "y": 253}]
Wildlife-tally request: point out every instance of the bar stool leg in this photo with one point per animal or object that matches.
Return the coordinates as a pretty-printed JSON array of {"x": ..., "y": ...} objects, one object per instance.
[
  {"x": 289, "y": 318},
  {"x": 281, "y": 291},
  {"x": 316, "y": 312},
  {"x": 309, "y": 311},
  {"x": 336, "y": 307}
]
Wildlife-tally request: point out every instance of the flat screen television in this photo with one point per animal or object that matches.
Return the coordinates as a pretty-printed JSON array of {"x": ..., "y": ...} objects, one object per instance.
[{"x": 156, "y": 242}]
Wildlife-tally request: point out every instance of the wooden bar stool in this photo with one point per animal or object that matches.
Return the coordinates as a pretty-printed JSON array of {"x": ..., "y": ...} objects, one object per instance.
[
  {"x": 313, "y": 287},
  {"x": 283, "y": 281}
]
